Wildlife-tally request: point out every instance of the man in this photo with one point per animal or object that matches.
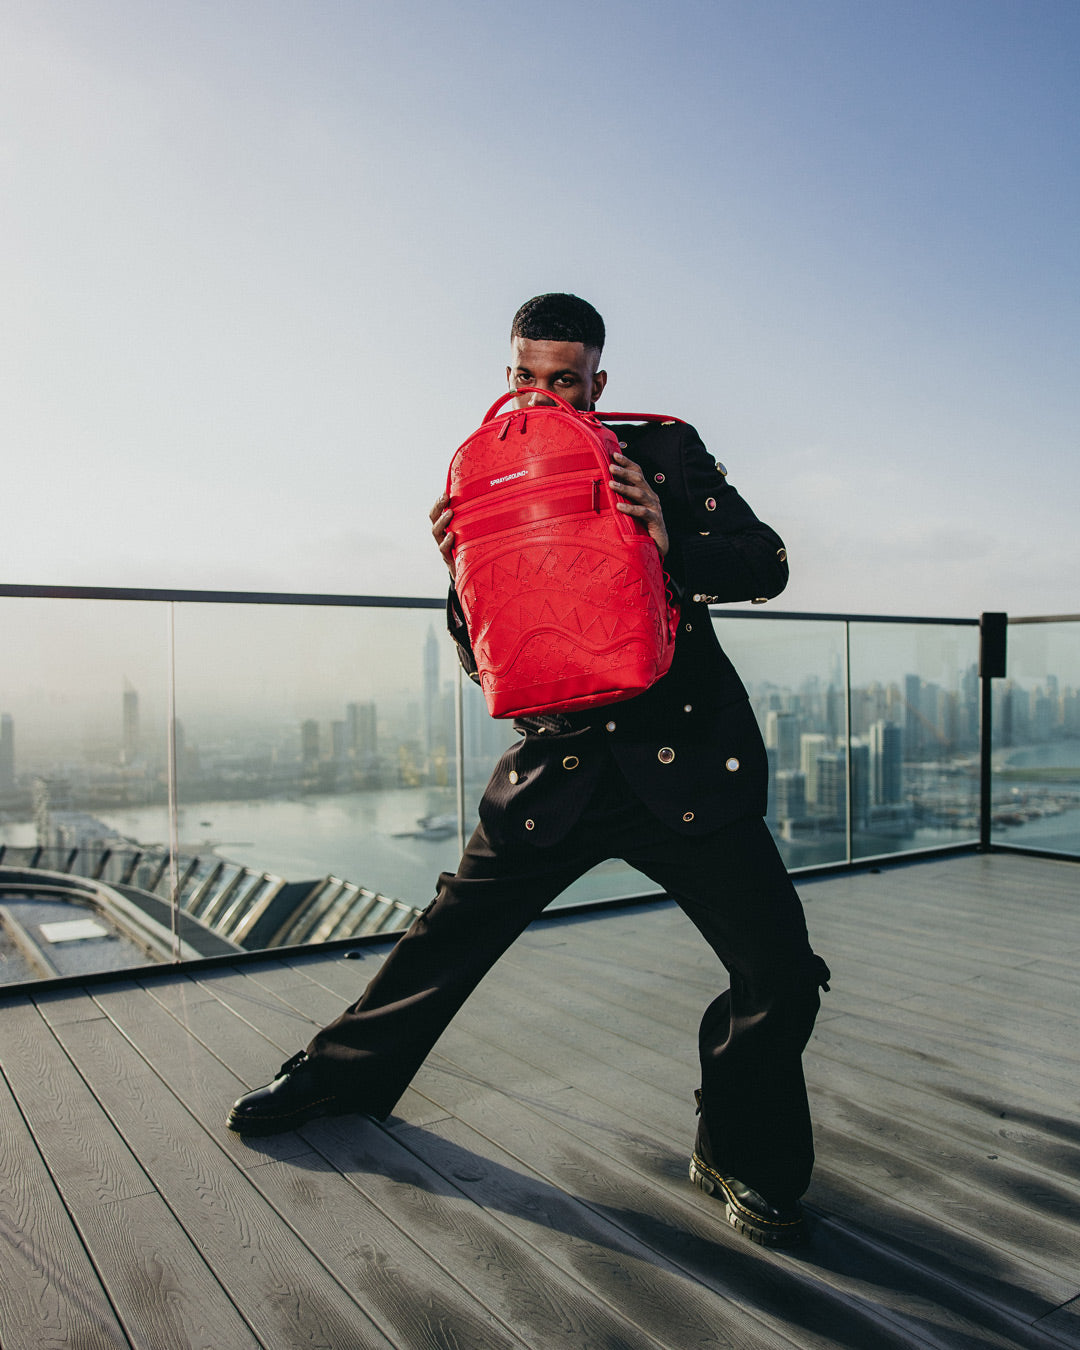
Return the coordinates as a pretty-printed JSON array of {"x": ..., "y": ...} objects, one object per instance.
[{"x": 673, "y": 781}]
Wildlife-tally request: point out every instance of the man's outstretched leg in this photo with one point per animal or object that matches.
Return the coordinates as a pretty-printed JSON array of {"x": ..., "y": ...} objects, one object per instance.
[{"x": 363, "y": 1061}]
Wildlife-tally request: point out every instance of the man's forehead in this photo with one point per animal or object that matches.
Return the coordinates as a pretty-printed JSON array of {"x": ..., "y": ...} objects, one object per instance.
[{"x": 540, "y": 351}]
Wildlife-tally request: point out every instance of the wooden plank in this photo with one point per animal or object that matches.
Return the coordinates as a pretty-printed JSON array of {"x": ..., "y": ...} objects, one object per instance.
[
  {"x": 1006, "y": 1129},
  {"x": 281, "y": 1290},
  {"x": 1031, "y": 1223},
  {"x": 517, "y": 1285},
  {"x": 646, "y": 1196},
  {"x": 591, "y": 1243},
  {"x": 676, "y": 1003},
  {"x": 159, "y": 1285},
  {"x": 905, "y": 1178},
  {"x": 162, "y": 1288},
  {"x": 328, "y": 1216},
  {"x": 64, "y": 1005},
  {"x": 451, "y": 1296},
  {"x": 418, "y": 1303},
  {"x": 649, "y": 1153},
  {"x": 261, "y": 1009},
  {"x": 50, "y": 1295},
  {"x": 516, "y": 1280},
  {"x": 89, "y": 1161},
  {"x": 304, "y": 998},
  {"x": 176, "y": 1046}
]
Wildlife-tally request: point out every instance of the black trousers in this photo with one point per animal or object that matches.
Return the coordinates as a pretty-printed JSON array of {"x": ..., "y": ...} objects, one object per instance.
[{"x": 733, "y": 886}]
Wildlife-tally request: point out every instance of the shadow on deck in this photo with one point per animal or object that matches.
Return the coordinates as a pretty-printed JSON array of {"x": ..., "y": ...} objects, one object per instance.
[{"x": 532, "y": 1189}]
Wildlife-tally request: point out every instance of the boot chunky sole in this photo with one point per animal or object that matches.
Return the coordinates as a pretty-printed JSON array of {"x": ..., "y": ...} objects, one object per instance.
[{"x": 747, "y": 1212}]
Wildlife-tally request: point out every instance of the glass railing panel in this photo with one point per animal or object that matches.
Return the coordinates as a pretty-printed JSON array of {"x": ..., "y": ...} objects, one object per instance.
[
  {"x": 914, "y": 736},
  {"x": 83, "y": 717},
  {"x": 313, "y": 741},
  {"x": 1036, "y": 739},
  {"x": 794, "y": 672}
]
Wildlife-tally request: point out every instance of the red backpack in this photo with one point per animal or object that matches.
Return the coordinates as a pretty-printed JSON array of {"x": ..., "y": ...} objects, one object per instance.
[{"x": 564, "y": 596}]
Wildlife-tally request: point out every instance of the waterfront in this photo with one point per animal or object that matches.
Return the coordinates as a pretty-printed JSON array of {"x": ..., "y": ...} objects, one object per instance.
[
  {"x": 366, "y": 837},
  {"x": 375, "y": 838}
]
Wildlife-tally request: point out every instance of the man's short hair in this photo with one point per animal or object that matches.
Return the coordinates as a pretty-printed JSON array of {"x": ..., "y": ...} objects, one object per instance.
[{"x": 558, "y": 317}]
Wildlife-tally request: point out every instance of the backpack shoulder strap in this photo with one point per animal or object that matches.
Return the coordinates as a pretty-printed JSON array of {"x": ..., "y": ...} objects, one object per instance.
[{"x": 638, "y": 417}]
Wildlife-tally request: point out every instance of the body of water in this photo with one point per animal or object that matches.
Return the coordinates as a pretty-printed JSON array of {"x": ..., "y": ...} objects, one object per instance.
[{"x": 362, "y": 836}]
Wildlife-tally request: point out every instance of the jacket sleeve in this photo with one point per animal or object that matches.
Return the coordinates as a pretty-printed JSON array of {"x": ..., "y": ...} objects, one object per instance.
[{"x": 719, "y": 550}]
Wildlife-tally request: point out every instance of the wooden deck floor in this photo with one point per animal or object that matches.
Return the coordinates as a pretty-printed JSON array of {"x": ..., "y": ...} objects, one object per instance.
[{"x": 532, "y": 1190}]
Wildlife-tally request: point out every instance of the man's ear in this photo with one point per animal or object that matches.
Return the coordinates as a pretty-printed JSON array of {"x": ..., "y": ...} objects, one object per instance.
[
  {"x": 599, "y": 380},
  {"x": 508, "y": 384}
]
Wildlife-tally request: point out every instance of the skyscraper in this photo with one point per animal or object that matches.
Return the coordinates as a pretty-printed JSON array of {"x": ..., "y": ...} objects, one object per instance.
[
  {"x": 7, "y": 752},
  {"x": 886, "y": 764},
  {"x": 362, "y": 735},
  {"x": 309, "y": 744},
  {"x": 811, "y": 745},
  {"x": 130, "y": 751},
  {"x": 782, "y": 735},
  {"x": 432, "y": 709}
]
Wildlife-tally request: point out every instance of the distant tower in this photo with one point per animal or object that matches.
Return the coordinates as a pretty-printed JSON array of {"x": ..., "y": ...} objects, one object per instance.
[
  {"x": 7, "y": 752},
  {"x": 790, "y": 794},
  {"x": 832, "y": 785},
  {"x": 130, "y": 750},
  {"x": 913, "y": 729},
  {"x": 782, "y": 735},
  {"x": 432, "y": 707},
  {"x": 886, "y": 764},
  {"x": 362, "y": 735},
  {"x": 811, "y": 745},
  {"x": 309, "y": 744}
]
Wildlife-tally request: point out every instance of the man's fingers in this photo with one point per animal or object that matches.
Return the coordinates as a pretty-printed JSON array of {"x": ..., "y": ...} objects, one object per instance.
[{"x": 440, "y": 516}]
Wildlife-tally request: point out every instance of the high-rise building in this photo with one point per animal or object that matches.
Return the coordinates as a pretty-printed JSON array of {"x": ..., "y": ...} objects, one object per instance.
[
  {"x": 432, "y": 708},
  {"x": 886, "y": 764},
  {"x": 1042, "y": 717},
  {"x": 7, "y": 752},
  {"x": 130, "y": 751},
  {"x": 309, "y": 744},
  {"x": 913, "y": 727},
  {"x": 362, "y": 734},
  {"x": 790, "y": 795},
  {"x": 811, "y": 745},
  {"x": 860, "y": 783},
  {"x": 832, "y": 785},
  {"x": 782, "y": 735}
]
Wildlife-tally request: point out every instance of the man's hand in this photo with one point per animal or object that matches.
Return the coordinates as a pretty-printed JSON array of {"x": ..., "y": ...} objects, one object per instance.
[
  {"x": 440, "y": 518},
  {"x": 639, "y": 499}
]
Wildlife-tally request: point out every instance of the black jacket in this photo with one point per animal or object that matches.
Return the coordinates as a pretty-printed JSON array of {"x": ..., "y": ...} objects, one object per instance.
[{"x": 689, "y": 746}]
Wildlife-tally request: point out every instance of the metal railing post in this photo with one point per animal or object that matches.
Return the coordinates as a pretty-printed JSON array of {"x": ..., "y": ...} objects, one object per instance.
[
  {"x": 849, "y": 813},
  {"x": 459, "y": 737},
  {"x": 993, "y": 628}
]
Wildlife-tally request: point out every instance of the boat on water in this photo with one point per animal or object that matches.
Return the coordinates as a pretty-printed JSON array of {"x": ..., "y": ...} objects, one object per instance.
[{"x": 431, "y": 827}]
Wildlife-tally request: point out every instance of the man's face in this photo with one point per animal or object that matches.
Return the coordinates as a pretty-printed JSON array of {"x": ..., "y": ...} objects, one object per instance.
[{"x": 568, "y": 369}]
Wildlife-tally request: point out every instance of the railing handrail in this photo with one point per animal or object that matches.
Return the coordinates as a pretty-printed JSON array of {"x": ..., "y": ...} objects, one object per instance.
[
  {"x": 180, "y": 596},
  {"x": 185, "y": 596}
]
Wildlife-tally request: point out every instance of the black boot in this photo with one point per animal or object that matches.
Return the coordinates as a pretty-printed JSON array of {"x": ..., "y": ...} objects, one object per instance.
[
  {"x": 772, "y": 1223},
  {"x": 297, "y": 1094}
]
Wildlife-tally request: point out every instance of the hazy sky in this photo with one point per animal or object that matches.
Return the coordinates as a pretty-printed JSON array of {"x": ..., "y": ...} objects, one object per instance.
[{"x": 259, "y": 261}]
